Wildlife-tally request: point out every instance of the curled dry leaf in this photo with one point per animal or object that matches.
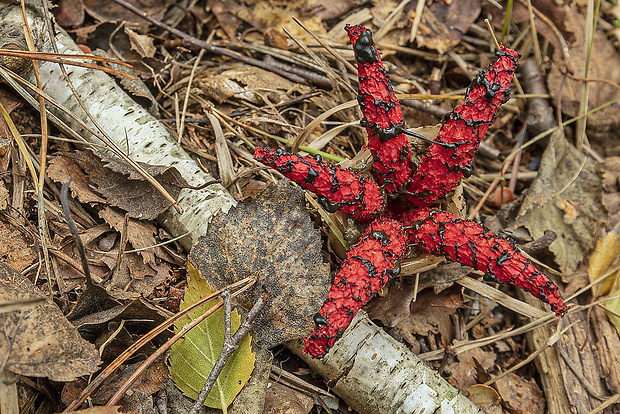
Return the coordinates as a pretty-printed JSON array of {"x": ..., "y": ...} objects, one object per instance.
[
  {"x": 38, "y": 341},
  {"x": 113, "y": 181},
  {"x": 271, "y": 238}
]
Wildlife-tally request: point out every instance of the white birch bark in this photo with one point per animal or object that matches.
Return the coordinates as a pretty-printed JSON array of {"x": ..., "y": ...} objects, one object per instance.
[{"x": 376, "y": 374}]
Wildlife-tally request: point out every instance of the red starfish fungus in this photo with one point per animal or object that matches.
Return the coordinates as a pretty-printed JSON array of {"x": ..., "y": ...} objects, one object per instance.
[{"x": 402, "y": 197}]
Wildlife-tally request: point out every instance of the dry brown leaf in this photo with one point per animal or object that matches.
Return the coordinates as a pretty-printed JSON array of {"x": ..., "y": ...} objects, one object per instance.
[
  {"x": 280, "y": 399},
  {"x": 327, "y": 9},
  {"x": 108, "y": 11},
  {"x": 17, "y": 247},
  {"x": 272, "y": 238},
  {"x": 486, "y": 398},
  {"x": 61, "y": 167},
  {"x": 520, "y": 395},
  {"x": 566, "y": 197},
  {"x": 246, "y": 83},
  {"x": 96, "y": 182},
  {"x": 142, "y": 44},
  {"x": 39, "y": 341},
  {"x": 140, "y": 234},
  {"x": 69, "y": 13},
  {"x": 464, "y": 369}
]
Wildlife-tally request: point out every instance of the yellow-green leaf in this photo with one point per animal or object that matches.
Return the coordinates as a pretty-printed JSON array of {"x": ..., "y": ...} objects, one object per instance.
[
  {"x": 613, "y": 306},
  {"x": 193, "y": 357},
  {"x": 604, "y": 259}
]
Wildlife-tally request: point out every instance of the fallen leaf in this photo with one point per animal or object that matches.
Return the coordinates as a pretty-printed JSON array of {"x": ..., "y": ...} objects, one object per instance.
[
  {"x": 150, "y": 382},
  {"x": 138, "y": 315},
  {"x": 603, "y": 259},
  {"x": 142, "y": 44},
  {"x": 280, "y": 399},
  {"x": 140, "y": 234},
  {"x": 520, "y": 395},
  {"x": 113, "y": 181},
  {"x": 246, "y": 83},
  {"x": 17, "y": 247},
  {"x": 566, "y": 197},
  {"x": 613, "y": 305},
  {"x": 69, "y": 13},
  {"x": 327, "y": 9},
  {"x": 38, "y": 341},
  {"x": 193, "y": 357},
  {"x": 465, "y": 367},
  {"x": 111, "y": 12},
  {"x": 486, "y": 398},
  {"x": 61, "y": 167},
  {"x": 273, "y": 239}
]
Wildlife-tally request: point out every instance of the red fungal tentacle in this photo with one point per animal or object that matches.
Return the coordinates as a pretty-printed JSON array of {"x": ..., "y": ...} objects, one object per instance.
[
  {"x": 367, "y": 268},
  {"x": 441, "y": 168},
  {"x": 464, "y": 241},
  {"x": 337, "y": 187},
  {"x": 382, "y": 116}
]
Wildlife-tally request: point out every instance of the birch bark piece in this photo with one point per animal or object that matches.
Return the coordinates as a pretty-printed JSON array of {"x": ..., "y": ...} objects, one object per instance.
[
  {"x": 374, "y": 374},
  {"x": 129, "y": 125}
]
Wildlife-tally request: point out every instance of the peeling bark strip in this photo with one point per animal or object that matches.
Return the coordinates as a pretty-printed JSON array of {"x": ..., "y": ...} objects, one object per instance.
[
  {"x": 368, "y": 267},
  {"x": 337, "y": 188},
  {"x": 464, "y": 241},
  {"x": 382, "y": 116},
  {"x": 441, "y": 168}
]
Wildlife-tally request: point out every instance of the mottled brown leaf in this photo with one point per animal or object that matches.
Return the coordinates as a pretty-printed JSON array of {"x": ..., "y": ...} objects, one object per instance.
[
  {"x": 272, "y": 238},
  {"x": 17, "y": 247},
  {"x": 38, "y": 341},
  {"x": 519, "y": 394}
]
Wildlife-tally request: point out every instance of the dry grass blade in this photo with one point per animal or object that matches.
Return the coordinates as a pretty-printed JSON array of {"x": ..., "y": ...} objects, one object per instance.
[
  {"x": 501, "y": 298},
  {"x": 66, "y": 59}
]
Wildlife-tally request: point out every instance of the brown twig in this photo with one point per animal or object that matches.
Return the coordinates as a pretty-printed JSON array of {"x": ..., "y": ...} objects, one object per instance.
[{"x": 231, "y": 343}]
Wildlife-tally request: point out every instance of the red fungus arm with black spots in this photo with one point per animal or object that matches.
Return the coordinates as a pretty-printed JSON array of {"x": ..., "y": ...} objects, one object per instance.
[
  {"x": 369, "y": 265},
  {"x": 441, "y": 168},
  {"x": 382, "y": 116},
  {"x": 470, "y": 244},
  {"x": 337, "y": 187},
  {"x": 409, "y": 217}
]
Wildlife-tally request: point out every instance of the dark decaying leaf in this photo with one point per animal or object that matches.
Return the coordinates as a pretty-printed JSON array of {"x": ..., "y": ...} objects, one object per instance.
[
  {"x": 106, "y": 180},
  {"x": 566, "y": 197},
  {"x": 272, "y": 238},
  {"x": 38, "y": 341}
]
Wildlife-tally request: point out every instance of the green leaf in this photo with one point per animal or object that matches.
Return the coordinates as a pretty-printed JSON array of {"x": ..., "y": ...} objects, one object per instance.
[{"x": 193, "y": 357}]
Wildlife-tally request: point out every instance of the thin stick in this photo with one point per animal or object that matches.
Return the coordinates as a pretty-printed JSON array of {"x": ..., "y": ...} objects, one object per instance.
[
  {"x": 64, "y": 202},
  {"x": 230, "y": 345}
]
